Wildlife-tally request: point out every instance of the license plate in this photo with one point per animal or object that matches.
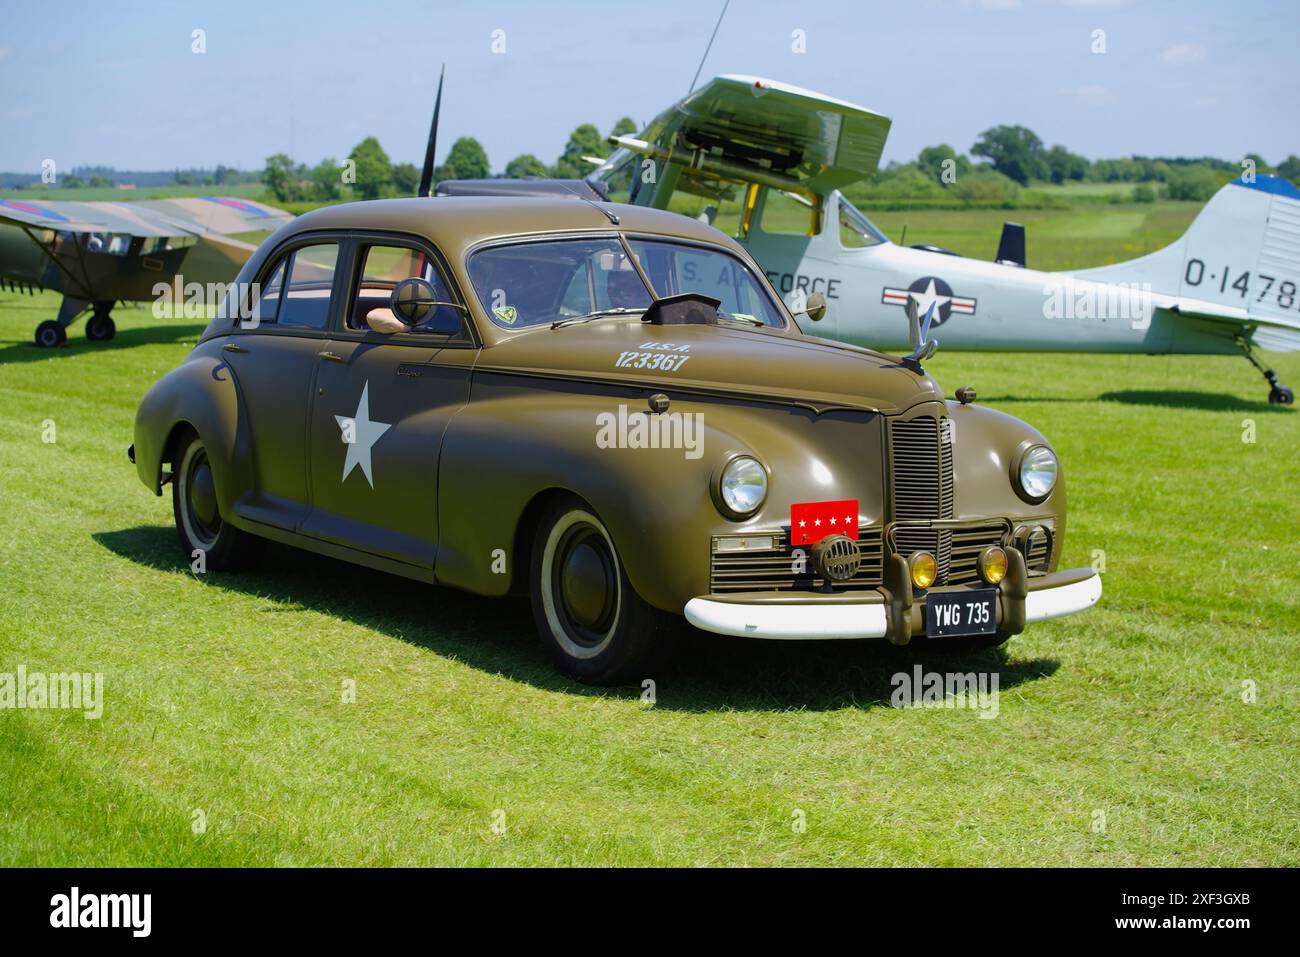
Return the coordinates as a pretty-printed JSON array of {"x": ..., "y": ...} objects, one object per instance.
[{"x": 961, "y": 613}]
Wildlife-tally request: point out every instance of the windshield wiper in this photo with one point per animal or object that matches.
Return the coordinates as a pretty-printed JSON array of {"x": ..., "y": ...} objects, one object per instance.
[
  {"x": 736, "y": 318},
  {"x": 598, "y": 314}
]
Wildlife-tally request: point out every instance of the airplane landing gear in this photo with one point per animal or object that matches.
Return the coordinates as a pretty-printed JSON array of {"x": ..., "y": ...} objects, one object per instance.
[
  {"x": 54, "y": 332},
  {"x": 100, "y": 326},
  {"x": 50, "y": 334},
  {"x": 1278, "y": 394}
]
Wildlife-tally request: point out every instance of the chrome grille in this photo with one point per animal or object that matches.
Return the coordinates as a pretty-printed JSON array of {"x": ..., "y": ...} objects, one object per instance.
[
  {"x": 921, "y": 450},
  {"x": 772, "y": 569}
]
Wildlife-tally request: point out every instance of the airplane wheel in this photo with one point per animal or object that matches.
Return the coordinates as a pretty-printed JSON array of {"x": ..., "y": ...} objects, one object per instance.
[
  {"x": 100, "y": 328},
  {"x": 50, "y": 335},
  {"x": 1281, "y": 395}
]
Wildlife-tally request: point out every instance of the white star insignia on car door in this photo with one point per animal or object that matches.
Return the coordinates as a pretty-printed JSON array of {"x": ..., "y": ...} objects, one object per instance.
[{"x": 360, "y": 434}]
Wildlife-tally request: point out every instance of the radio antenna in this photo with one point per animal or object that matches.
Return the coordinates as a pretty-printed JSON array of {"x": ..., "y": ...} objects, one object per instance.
[{"x": 725, "y": 4}]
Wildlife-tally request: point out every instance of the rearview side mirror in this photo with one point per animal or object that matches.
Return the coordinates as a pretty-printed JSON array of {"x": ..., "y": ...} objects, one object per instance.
[
  {"x": 412, "y": 300},
  {"x": 814, "y": 307}
]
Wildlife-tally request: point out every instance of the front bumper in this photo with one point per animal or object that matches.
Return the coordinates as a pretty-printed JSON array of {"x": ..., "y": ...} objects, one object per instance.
[{"x": 891, "y": 611}]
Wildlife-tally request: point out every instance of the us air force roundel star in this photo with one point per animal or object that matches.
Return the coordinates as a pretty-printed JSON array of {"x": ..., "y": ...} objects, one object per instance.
[
  {"x": 359, "y": 435},
  {"x": 926, "y": 290}
]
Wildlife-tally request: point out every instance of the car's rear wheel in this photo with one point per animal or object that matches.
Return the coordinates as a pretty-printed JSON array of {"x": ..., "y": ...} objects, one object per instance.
[
  {"x": 594, "y": 624},
  {"x": 198, "y": 516}
]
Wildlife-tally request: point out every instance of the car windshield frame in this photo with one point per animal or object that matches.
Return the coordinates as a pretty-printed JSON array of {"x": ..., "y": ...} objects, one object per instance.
[{"x": 625, "y": 241}]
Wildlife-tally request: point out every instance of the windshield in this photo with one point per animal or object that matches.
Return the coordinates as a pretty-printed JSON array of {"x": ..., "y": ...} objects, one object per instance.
[
  {"x": 855, "y": 229},
  {"x": 679, "y": 267},
  {"x": 614, "y": 176},
  {"x": 537, "y": 283},
  {"x": 534, "y": 283}
]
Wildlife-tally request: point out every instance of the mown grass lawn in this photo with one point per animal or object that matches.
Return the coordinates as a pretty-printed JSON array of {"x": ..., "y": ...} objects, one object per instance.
[{"x": 223, "y": 693}]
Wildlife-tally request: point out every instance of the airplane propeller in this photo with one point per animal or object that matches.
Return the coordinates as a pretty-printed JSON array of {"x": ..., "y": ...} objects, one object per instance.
[
  {"x": 426, "y": 174},
  {"x": 918, "y": 332}
]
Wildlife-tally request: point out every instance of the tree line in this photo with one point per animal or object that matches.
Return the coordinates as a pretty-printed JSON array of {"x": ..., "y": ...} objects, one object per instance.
[
  {"x": 369, "y": 172},
  {"x": 1006, "y": 159}
]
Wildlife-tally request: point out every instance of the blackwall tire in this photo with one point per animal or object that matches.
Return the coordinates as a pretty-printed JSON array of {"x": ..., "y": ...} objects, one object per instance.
[{"x": 198, "y": 518}]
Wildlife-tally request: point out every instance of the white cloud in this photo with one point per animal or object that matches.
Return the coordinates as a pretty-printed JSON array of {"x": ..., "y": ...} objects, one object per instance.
[
  {"x": 4, "y": 53},
  {"x": 1091, "y": 94},
  {"x": 1183, "y": 54}
]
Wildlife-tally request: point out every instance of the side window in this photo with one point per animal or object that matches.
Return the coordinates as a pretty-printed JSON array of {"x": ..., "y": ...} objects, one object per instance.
[
  {"x": 856, "y": 231},
  {"x": 785, "y": 214},
  {"x": 850, "y": 237},
  {"x": 306, "y": 296},
  {"x": 266, "y": 301},
  {"x": 383, "y": 267}
]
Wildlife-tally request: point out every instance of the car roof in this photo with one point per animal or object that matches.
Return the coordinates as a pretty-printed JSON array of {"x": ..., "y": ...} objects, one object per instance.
[{"x": 455, "y": 223}]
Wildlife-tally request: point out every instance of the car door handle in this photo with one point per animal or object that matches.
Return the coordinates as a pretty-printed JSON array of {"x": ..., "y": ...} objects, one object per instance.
[
  {"x": 332, "y": 357},
  {"x": 232, "y": 347}
]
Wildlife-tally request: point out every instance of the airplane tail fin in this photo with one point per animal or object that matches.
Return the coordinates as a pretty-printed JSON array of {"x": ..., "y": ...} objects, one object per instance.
[{"x": 1238, "y": 262}]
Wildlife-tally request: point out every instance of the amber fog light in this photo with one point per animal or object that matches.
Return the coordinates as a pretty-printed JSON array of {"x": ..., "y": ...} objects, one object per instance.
[
  {"x": 993, "y": 564},
  {"x": 924, "y": 569}
]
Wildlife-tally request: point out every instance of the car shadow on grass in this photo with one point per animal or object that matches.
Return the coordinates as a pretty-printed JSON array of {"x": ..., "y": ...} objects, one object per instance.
[
  {"x": 706, "y": 673},
  {"x": 78, "y": 344}
]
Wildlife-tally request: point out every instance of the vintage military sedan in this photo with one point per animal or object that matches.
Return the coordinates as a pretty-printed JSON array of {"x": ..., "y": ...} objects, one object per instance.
[{"x": 609, "y": 408}]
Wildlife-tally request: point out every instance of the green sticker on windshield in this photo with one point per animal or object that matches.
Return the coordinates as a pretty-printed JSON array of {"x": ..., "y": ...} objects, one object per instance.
[
  {"x": 507, "y": 314},
  {"x": 744, "y": 315}
]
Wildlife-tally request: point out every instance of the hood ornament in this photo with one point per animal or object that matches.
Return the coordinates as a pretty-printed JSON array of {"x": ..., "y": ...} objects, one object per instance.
[{"x": 918, "y": 333}]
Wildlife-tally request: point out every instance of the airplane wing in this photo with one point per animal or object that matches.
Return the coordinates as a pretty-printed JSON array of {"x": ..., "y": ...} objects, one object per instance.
[
  {"x": 194, "y": 216},
  {"x": 750, "y": 129},
  {"x": 218, "y": 214}
]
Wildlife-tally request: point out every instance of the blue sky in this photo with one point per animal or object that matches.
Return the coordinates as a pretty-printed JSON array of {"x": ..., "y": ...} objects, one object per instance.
[{"x": 116, "y": 82}]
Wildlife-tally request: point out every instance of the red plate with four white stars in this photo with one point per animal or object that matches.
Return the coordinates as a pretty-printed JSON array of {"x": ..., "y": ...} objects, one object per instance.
[{"x": 810, "y": 522}]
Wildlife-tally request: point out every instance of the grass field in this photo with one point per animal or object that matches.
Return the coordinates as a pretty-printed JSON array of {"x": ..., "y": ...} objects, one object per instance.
[{"x": 1122, "y": 736}]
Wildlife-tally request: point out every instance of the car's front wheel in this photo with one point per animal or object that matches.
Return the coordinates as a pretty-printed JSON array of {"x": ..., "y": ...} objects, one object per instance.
[
  {"x": 204, "y": 534},
  {"x": 594, "y": 624}
]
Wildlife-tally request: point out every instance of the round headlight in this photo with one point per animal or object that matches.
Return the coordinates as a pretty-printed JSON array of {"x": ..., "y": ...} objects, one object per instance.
[
  {"x": 743, "y": 486},
  {"x": 1037, "y": 472}
]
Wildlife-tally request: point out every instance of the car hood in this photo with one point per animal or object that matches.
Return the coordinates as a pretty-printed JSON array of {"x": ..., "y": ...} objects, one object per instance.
[{"x": 723, "y": 359}]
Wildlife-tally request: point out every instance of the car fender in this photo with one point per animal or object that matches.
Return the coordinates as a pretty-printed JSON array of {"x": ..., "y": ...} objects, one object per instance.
[
  {"x": 986, "y": 446},
  {"x": 202, "y": 393},
  {"x": 515, "y": 441}
]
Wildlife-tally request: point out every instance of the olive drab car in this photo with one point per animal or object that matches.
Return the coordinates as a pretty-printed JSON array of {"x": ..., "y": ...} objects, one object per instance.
[{"x": 609, "y": 408}]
